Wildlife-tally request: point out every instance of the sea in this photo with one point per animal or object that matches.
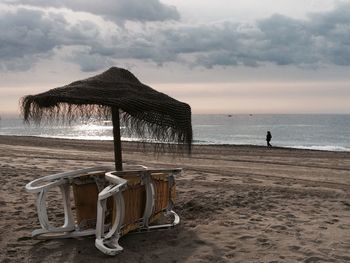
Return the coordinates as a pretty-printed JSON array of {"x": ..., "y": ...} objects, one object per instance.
[{"x": 317, "y": 132}]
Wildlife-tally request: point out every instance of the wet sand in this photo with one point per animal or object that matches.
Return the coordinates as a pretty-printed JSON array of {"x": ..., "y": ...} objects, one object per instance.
[{"x": 236, "y": 203}]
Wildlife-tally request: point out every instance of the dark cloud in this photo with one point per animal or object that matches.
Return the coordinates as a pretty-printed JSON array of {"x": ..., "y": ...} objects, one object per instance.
[
  {"x": 25, "y": 36},
  {"x": 30, "y": 35},
  {"x": 321, "y": 39},
  {"x": 89, "y": 62},
  {"x": 115, "y": 10}
]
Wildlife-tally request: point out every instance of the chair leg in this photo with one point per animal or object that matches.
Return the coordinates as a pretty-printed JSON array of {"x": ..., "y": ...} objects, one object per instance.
[
  {"x": 48, "y": 231},
  {"x": 68, "y": 216},
  {"x": 109, "y": 243},
  {"x": 150, "y": 196},
  {"x": 175, "y": 222}
]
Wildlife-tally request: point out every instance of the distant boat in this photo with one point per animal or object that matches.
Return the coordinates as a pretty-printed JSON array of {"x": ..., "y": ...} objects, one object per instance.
[
  {"x": 250, "y": 114},
  {"x": 229, "y": 115}
]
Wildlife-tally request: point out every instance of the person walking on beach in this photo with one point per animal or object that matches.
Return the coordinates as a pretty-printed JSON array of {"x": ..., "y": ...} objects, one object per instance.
[{"x": 268, "y": 138}]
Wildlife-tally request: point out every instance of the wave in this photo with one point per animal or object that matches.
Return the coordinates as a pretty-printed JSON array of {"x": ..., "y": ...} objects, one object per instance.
[{"x": 322, "y": 148}]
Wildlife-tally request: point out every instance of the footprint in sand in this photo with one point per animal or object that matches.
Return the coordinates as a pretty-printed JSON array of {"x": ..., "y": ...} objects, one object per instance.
[
  {"x": 332, "y": 221},
  {"x": 200, "y": 242},
  {"x": 263, "y": 242},
  {"x": 346, "y": 204},
  {"x": 279, "y": 227},
  {"x": 314, "y": 259},
  {"x": 294, "y": 248},
  {"x": 230, "y": 255},
  {"x": 20, "y": 228},
  {"x": 24, "y": 238},
  {"x": 16, "y": 213},
  {"x": 245, "y": 237},
  {"x": 344, "y": 226},
  {"x": 257, "y": 219},
  {"x": 231, "y": 247}
]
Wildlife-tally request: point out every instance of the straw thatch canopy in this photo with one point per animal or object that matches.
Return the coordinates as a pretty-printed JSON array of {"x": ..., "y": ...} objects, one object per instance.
[{"x": 144, "y": 111}]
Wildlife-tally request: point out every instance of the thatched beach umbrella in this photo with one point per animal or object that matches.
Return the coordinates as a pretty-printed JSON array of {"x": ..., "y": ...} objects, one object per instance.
[{"x": 145, "y": 111}]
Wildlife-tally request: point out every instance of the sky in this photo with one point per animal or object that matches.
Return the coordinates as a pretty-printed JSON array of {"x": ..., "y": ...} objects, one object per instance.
[{"x": 222, "y": 57}]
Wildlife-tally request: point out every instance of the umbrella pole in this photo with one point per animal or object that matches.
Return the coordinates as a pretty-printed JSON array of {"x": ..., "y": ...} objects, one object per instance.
[{"x": 117, "y": 142}]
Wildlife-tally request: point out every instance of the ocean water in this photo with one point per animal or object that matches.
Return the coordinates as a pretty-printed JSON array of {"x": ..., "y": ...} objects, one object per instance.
[{"x": 318, "y": 132}]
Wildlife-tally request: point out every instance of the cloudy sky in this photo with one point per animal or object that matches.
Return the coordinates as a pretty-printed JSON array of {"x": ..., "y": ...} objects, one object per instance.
[{"x": 223, "y": 56}]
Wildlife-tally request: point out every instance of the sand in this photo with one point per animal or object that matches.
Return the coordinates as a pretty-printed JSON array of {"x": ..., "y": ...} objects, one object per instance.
[{"x": 236, "y": 203}]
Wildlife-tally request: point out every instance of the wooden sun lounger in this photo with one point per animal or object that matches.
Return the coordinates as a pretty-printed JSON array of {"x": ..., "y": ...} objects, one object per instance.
[{"x": 107, "y": 204}]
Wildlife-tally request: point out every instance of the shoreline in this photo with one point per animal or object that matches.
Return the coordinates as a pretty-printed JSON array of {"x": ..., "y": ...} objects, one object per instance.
[
  {"x": 236, "y": 203},
  {"x": 24, "y": 139}
]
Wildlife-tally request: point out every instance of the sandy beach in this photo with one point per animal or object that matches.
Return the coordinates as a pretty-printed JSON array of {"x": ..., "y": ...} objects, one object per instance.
[{"x": 236, "y": 203}]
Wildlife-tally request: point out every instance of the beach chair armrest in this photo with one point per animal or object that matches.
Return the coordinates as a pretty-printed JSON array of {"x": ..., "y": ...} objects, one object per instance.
[{"x": 57, "y": 179}]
